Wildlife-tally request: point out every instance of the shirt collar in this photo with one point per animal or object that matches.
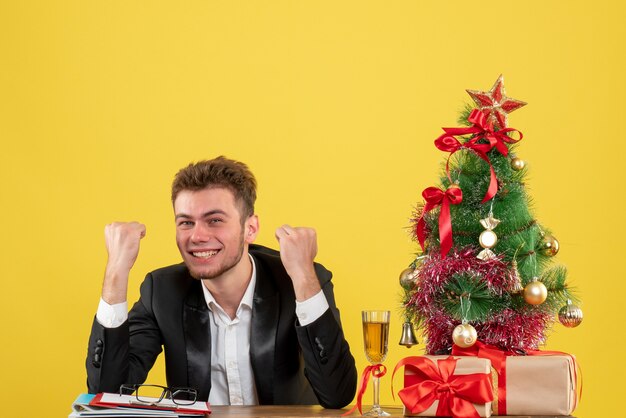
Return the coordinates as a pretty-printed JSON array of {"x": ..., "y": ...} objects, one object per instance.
[{"x": 248, "y": 295}]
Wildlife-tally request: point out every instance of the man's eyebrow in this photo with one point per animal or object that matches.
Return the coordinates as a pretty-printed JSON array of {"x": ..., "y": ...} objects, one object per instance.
[{"x": 204, "y": 215}]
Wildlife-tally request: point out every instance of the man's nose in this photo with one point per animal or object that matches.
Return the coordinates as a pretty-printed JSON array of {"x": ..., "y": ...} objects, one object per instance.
[{"x": 200, "y": 233}]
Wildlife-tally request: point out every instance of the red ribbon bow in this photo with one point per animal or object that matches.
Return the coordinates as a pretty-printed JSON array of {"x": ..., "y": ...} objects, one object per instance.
[
  {"x": 455, "y": 394},
  {"x": 483, "y": 129},
  {"x": 498, "y": 361},
  {"x": 376, "y": 370},
  {"x": 435, "y": 197},
  {"x": 480, "y": 129}
]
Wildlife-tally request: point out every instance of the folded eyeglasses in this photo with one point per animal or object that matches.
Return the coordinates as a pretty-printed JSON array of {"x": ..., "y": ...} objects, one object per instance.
[{"x": 153, "y": 395}]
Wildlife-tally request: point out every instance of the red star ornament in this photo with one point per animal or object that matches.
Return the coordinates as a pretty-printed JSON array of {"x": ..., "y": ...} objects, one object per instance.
[{"x": 495, "y": 104}]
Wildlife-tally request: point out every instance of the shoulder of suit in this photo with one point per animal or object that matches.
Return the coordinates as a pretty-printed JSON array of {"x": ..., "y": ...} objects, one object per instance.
[
  {"x": 270, "y": 259},
  {"x": 166, "y": 288}
]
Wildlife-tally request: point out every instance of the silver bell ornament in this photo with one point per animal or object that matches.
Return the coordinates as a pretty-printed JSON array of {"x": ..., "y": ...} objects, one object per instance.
[{"x": 408, "y": 338}]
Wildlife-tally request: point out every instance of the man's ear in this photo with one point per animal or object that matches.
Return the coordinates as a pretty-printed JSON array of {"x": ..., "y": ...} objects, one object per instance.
[{"x": 251, "y": 229}]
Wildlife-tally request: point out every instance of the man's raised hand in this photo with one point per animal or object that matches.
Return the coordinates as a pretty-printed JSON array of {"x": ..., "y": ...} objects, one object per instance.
[
  {"x": 298, "y": 248},
  {"x": 122, "y": 243}
]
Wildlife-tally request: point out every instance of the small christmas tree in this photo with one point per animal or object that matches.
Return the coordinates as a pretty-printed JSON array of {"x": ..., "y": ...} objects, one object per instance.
[{"x": 485, "y": 270}]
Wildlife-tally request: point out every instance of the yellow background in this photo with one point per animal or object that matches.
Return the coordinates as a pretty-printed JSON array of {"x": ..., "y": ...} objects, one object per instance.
[{"x": 335, "y": 106}]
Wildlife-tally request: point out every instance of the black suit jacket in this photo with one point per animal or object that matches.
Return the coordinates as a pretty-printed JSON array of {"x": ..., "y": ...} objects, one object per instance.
[{"x": 292, "y": 364}]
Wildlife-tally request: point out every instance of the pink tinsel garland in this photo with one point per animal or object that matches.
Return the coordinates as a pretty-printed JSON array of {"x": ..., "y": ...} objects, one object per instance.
[{"x": 506, "y": 329}]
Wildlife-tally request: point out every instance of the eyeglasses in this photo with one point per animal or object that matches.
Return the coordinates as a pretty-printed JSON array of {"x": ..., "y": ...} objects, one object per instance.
[{"x": 153, "y": 394}]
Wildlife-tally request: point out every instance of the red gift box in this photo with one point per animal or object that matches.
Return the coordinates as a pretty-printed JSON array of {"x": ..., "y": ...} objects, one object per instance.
[{"x": 460, "y": 387}]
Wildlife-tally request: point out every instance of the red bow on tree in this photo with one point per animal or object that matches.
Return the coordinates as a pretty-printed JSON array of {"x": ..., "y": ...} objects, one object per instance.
[
  {"x": 435, "y": 197},
  {"x": 437, "y": 382},
  {"x": 481, "y": 129}
]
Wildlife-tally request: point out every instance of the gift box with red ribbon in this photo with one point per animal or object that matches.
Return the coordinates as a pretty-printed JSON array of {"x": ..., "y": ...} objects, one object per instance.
[
  {"x": 538, "y": 383},
  {"x": 460, "y": 387}
]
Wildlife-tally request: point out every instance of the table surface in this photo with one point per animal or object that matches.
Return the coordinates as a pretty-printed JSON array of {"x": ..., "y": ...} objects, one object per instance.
[{"x": 311, "y": 411}]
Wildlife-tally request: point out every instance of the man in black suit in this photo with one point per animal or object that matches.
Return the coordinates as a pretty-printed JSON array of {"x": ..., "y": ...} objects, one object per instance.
[{"x": 240, "y": 323}]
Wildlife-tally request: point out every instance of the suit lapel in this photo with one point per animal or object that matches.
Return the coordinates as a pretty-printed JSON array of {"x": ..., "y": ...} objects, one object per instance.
[
  {"x": 197, "y": 330},
  {"x": 265, "y": 312}
]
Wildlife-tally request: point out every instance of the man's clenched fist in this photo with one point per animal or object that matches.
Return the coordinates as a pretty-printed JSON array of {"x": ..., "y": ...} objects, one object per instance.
[
  {"x": 298, "y": 248},
  {"x": 122, "y": 243}
]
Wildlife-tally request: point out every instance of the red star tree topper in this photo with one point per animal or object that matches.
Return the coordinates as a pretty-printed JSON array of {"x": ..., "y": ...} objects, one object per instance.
[{"x": 495, "y": 104}]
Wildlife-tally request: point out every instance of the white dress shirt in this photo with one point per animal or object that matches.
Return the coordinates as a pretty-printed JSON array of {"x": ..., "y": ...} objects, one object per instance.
[{"x": 232, "y": 379}]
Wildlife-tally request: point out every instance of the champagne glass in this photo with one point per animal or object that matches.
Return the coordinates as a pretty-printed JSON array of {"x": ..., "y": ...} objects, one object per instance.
[{"x": 375, "y": 338}]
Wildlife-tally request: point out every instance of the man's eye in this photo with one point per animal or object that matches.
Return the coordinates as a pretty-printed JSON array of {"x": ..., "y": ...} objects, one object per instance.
[
  {"x": 185, "y": 223},
  {"x": 215, "y": 221}
]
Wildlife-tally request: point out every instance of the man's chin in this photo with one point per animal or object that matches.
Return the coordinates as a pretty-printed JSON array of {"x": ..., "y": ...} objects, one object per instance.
[{"x": 199, "y": 273}]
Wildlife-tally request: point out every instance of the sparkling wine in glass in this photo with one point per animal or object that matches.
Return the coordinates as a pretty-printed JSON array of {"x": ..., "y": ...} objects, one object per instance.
[{"x": 375, "y": 339}]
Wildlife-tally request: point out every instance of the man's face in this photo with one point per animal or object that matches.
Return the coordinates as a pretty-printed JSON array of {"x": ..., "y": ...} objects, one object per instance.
[{"x": 209, "y": 232}]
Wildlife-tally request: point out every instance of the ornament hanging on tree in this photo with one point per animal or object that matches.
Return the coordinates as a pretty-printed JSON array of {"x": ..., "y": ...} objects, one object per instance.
[
  {"x": 570, "y": 315},
  {"x": 488, "y": 239},
  {"x": 535, "y": 292},
  {"x": 408, "y": 338},
  {"x": 549, "y": 245},
  {"x": 464, "y": 335},
  {"x": 517, "y": 283},
  {"x": 407, "y": 278},
  {"x": 517, "y": 164}
]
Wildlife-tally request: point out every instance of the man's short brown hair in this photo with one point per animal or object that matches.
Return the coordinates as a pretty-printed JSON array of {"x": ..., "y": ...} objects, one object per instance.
[{"x": 219, "y": 172}]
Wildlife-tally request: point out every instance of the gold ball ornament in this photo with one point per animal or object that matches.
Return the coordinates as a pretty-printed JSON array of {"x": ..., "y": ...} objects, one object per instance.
[
  {"x": 570, "y": 315},
  {"x": 535, "y": 292},
  {"x": 549, "y": 246},
  {"x": 517, "y": 164},
  {"x": 464, "y": 335},
  {"x": 407, "y": 278}
]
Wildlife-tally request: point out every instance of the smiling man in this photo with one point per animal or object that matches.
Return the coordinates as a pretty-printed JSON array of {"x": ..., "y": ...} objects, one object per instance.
[{"x": 240, "y": 323}]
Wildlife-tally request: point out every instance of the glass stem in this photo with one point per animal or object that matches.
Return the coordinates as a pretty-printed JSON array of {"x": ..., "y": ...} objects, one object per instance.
[{"x": 375, "y": 381}]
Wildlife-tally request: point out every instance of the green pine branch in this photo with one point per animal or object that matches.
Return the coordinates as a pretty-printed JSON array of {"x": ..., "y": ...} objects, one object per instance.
[{"x": 466, "y": 297}]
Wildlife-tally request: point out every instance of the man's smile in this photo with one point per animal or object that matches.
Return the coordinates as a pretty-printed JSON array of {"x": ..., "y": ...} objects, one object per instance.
[{"x": 204, "y": 254}]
